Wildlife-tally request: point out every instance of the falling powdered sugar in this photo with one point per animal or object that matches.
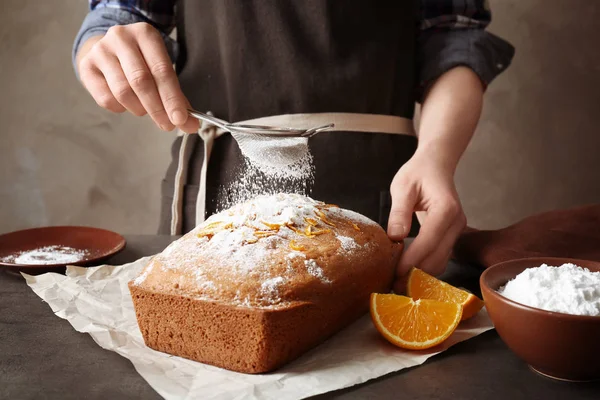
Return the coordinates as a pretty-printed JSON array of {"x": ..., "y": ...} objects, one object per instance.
[
  {"x": 47, "y": 255},
  {"x": 271, "y": 165},
  {"x": 278, "y": 157}
]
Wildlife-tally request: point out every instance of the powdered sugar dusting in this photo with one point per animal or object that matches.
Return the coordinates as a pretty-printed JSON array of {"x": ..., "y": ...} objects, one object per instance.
[
  {"x": 204, "y": 284},
  {"x": 315, "y": 270},
  {"x": 270, "y": 289},
  {"x": 142, "y": 277},
  {"x": 258, "y": 247},
  {"x": 280, "y": 209},
  {"x": 347, "y": 243},
  {"x": 295, "y": 254},
  {"x": 353, "y": 216}
]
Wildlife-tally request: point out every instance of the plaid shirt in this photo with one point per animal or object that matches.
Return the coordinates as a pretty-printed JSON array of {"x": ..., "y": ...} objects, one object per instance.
[
  {"x": 160, "y": 13},
  {"x": 452, "y": 34},
  {"x": 453, "y": 14}
]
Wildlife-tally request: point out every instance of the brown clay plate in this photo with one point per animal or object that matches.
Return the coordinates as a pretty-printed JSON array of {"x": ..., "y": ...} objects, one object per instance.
[{"x": 97, "y": 244}]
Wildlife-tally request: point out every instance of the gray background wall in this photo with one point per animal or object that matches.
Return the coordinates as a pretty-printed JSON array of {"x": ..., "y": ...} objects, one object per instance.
[{"x": 63, "y": 160}]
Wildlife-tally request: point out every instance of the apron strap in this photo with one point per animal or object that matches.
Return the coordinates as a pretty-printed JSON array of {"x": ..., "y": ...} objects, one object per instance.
[
  {"x": 208, "y": 133},
  {"x": 344, "y": 122},
  {"x": 185, "y": 152}
]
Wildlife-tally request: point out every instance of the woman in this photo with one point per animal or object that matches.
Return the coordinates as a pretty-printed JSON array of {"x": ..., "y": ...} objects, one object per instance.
[{"x": 361, "y": 62}]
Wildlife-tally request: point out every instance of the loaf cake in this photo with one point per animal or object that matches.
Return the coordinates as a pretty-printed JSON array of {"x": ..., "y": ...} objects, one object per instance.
[{"x": 257, "y": 285}]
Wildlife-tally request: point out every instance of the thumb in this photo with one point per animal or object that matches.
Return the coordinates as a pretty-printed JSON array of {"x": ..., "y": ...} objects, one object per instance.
[{"x": 403, "y": 205}]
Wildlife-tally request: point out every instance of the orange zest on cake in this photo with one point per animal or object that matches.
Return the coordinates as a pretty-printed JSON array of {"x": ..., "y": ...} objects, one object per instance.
[
  {"x": 265, "y": 229},
  {"x": 295, "y": 246}
]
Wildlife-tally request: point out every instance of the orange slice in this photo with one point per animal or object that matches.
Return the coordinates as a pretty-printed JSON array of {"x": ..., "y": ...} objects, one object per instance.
[
  {"x": 411, "y": 324},
  {"x": 424, "y": 286}
]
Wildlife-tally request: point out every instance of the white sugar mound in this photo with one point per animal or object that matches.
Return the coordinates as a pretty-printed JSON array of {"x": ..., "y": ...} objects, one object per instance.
[{"x": 567, "y": 289}]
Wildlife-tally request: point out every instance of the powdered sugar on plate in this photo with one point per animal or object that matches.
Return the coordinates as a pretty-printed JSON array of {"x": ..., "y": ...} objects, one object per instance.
[
  {"x": 47, "y": 255},
  {"x": 567, "y": 289}
]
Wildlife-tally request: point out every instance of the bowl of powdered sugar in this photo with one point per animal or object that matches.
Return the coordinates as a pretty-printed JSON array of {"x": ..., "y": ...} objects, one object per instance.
[{"x": 547, "y": 311}]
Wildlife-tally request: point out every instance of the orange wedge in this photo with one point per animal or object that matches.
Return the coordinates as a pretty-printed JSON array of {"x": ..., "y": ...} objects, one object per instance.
[
  {"x": 411, "y": 324},
  {"x": 424, "y": 286}
]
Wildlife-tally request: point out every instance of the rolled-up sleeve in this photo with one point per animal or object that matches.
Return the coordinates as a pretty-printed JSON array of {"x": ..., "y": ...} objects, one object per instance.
[
  {"x": 100, "y": 19},
  {"x": 451, "y": 40}
]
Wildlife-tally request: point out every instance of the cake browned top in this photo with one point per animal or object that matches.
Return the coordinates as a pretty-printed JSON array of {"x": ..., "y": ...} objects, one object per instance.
[{"x": 268, "y": 252}]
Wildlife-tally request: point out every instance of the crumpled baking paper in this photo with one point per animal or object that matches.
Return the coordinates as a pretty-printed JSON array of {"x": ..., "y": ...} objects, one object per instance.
[{"x": 97, "y": 301}]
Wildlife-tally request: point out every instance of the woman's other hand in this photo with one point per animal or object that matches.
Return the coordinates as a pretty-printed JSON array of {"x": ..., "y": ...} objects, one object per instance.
[
  {"x": 425, "y": 185},
  {"x": 449, "y": 114}
]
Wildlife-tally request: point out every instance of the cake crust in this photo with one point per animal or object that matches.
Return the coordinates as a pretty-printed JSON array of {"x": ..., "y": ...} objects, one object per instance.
[{"x": 256, "y": 286}]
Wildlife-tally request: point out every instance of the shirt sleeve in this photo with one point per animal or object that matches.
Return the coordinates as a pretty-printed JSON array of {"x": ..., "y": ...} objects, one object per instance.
[
  {"x": 107, "y": 13},
  {"x": 452, "y": 33}
]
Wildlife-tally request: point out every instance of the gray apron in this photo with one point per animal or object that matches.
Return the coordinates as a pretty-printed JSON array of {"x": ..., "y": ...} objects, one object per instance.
[{"x": 250, "y": 59}]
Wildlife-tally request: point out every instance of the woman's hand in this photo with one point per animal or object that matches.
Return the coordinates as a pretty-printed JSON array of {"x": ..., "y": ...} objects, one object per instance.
[
  {"x": 425, "y": 184},
  {"x": 449, "y": 115},
  {"x": 129, "y": 69}
]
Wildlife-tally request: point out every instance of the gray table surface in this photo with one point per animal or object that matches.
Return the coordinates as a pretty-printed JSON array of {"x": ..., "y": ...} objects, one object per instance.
[{"x": 43, "y": 357}]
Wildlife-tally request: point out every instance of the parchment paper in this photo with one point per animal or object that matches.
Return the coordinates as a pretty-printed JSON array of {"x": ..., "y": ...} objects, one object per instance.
[{"x": 97, "y": 301}]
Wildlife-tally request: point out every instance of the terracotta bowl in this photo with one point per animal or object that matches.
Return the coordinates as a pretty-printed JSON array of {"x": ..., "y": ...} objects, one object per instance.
[
  {"x": 557, "y": 345},
  {"x": 99, "y": 244}
]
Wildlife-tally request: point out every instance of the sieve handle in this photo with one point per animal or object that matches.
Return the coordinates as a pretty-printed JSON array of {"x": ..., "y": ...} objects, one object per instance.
[{"x": 210, "y": 119}]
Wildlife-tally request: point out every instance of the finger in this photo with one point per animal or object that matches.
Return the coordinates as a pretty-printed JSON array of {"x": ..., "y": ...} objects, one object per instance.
[
  {"x": 96, "y": 85},
  {"x": 141, "y": 81},
  {"x": 435, "y": 264},
  {"x": 400, "y": 284},
  {"x": 439, "y": 219},
  {"x": 117, "y": 82},
  {"x": 173, "y": 100},
  {"x": 191, "y": 125},
  {"x": 403, "y": 205}
]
